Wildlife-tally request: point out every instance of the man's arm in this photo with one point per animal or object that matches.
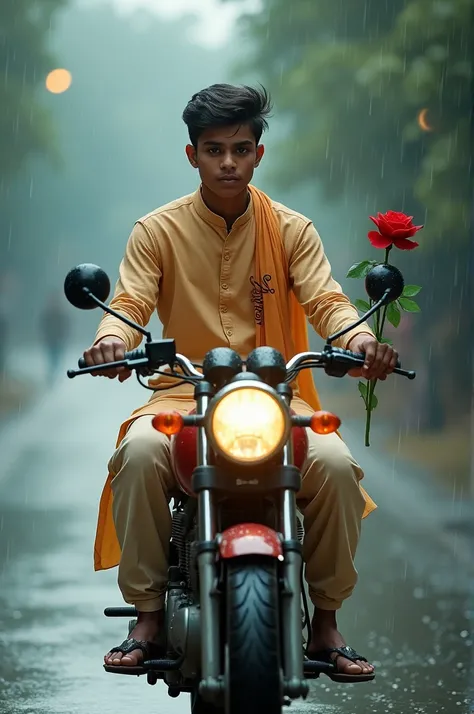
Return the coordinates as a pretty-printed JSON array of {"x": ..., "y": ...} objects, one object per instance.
[
  {"x": 329, "y": 310},
  {"x": 136, "y": 291},
  {"x": 324, "y": 303}
]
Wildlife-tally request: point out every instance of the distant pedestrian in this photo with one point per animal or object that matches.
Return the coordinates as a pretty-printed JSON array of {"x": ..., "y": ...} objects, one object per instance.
[{"x": 54, "y": 331}]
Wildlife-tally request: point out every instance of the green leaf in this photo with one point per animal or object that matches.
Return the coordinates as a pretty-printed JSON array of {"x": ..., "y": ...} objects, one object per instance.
[
  {"x": 393, "y": 314},
  {"x": 363, "y": 386},
  {"x": 411, "y": 290},
  {"x": 386, "y": 341},
  {"x": 360, "y": 270},
  {"x": 409, "y": 305},
  {"x": 362, "y": 305},
  {"x": 374, "y": 402}
]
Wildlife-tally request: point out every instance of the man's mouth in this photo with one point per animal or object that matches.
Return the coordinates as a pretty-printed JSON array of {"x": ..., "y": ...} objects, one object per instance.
[{"x": 229, "y": 179}]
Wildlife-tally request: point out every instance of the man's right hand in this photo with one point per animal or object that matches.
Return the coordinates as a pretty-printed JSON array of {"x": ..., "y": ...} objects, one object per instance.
[{"x": 109, "y": 349}]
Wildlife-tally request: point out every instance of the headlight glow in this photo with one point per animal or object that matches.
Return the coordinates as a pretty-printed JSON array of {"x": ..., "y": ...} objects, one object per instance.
[{"x": 248, "y": 424}]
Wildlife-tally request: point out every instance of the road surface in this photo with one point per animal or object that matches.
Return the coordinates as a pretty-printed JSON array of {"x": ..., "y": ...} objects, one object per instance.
[{"x": 411, "y": 614}]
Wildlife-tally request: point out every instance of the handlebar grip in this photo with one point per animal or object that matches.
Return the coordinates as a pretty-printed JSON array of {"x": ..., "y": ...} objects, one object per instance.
[
  {"x": 409, "y": 374},
  {"x": 139, "y": 353},
  {"x": 359, "y": 355}
]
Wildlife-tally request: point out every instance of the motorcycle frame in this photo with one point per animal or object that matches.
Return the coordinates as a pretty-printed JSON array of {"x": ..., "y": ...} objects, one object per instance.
[{"x": 294, "y": 684}]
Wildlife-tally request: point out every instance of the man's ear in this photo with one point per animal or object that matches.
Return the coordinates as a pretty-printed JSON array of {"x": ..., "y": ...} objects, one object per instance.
[
  {"x": 260, "y": 153},
  {"x": 191, "y": 153}
]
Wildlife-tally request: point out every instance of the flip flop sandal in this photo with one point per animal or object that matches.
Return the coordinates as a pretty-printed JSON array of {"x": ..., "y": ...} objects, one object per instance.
[
  {"x": 348, "y": 653},
  {"x": 150, "y": 651}
]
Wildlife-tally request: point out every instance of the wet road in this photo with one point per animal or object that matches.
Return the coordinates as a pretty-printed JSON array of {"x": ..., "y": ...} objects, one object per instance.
[{"x": 410, "y": 615}]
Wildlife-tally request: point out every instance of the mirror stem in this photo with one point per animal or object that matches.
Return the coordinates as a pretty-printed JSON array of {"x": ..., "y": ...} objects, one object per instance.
[
  {"x": 383, "y": 300},
  {"x": 108, "y": 309}
]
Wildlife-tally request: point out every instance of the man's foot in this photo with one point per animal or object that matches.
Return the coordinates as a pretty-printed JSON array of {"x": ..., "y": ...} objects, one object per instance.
[
  {"x": 149, "y": 626},
  {"x": 325, "y": 635}
]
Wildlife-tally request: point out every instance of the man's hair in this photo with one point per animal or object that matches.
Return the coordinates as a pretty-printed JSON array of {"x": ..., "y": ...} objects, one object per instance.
[{"x": 227, "y": 105}]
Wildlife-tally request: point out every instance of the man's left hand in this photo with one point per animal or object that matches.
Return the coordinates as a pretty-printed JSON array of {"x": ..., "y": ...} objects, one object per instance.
[{"x": 380, "y": 359}]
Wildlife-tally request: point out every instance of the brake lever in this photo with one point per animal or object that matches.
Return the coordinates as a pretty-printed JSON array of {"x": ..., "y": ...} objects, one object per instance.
[{"x": 128, "y": 363}]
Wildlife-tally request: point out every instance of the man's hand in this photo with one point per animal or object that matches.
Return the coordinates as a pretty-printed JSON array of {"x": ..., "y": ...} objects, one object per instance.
[
  {"x": 109, "y": 349},
  {"x": 380, "y": 359}
]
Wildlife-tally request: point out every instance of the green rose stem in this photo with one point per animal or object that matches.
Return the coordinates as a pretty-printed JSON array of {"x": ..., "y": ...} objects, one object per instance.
[{"x": 371, "y": 384}]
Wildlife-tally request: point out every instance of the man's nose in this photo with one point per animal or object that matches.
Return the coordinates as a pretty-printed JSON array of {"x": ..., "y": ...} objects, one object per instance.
[{"x": 228, "y": 161}]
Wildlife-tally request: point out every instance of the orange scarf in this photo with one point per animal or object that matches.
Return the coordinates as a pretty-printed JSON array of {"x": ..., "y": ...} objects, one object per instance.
[
  {"x": 281, "y": 309},
  {"x": 283, "y": 325}
]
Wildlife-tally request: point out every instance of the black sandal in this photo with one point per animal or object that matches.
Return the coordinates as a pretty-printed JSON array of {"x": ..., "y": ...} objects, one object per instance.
[
  {"x": 150, "y": 650},
  {"x": 348, "y": 653}
]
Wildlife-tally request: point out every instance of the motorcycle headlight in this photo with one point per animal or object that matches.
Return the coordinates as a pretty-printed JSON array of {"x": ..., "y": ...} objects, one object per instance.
[{"x": 248, "y": 422}]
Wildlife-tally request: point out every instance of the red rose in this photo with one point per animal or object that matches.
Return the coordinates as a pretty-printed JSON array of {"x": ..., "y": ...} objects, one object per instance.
[{"x": 394, "y": 229}]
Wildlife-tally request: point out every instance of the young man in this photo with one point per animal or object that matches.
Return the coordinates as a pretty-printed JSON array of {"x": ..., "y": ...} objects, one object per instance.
[{"x": 219, "y": 266}]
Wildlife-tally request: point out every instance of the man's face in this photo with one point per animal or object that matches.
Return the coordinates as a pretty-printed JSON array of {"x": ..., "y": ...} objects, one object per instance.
[{"x": 226, "y": 158}]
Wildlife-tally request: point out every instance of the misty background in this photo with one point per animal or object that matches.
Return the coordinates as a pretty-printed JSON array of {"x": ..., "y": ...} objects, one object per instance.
[
  {"x": 350, "y": 82},
  {"x": 373, "y": 111}
]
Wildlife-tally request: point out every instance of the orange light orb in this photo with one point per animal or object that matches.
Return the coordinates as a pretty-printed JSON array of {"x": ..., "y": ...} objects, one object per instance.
[
  {"x": 58, "y": 81},
  {"x": 422, "y": 120}
]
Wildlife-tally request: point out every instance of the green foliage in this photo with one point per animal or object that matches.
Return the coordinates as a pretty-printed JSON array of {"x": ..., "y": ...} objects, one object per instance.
[
  {"x": 366, "y": 394},
  {"x": 408, "y": 305},
  {"x": 411, "y": 290},
  {"x": 362, "y": 305},
  {"x": 393, "y": 314},
  {"x": 353, "y": 78},
  {"x": 25, "y": 126},
  {"x": 360, "y": 270}
]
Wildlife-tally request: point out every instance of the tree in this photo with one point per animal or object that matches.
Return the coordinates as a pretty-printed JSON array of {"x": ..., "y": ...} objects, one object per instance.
[
  {"x": 121, "y": 137},
  {"x": 25, "y": 125},
  {"x": 378, "y": 98}
]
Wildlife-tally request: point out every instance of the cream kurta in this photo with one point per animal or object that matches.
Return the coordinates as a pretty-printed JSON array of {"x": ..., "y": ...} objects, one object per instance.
[{"x": 182, "y": 261}]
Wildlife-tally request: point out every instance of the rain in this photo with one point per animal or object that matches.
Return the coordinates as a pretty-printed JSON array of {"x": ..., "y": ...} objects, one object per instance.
[{"x": 372, "y": 113}]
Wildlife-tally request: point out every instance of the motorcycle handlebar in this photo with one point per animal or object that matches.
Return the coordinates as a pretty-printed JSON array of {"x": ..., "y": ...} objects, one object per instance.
[
  {"x": 138, "y": 358},
  {"x": 135, "y": 359}
]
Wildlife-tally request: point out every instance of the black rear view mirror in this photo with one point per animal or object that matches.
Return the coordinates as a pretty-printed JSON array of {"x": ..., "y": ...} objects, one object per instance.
[{"x": 83, "y": 283}]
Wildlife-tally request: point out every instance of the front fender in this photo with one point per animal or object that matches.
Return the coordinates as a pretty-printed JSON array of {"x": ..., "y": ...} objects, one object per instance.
[{"x": 250, "y": 539}]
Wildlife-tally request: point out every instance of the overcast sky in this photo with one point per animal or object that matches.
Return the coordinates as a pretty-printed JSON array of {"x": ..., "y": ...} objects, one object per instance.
[{"x": 216, "y": 19}]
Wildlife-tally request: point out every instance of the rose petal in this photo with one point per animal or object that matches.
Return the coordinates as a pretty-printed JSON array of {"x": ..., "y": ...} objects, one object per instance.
[
  {"x": 378, "y": 240},
  {"x": 398, "y": 220},
  {"x": 397, "y": 223},
  {"x": 405, "y": 244},
  {"x": 375, "y": 220},
  {"x": 385, "y": 227},
  {"x": 398, "y": 217},
  {"x": 404, "y": 232}
]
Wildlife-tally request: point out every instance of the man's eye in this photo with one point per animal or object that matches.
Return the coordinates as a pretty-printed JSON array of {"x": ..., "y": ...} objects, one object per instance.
[
  {"x": 242, "y": 150},
  {"x": 214, "y": 150}
]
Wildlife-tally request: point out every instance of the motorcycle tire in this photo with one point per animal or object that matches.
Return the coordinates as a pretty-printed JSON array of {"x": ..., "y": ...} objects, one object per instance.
[
  {"x": 253, "y": 674},
  {"x": 199, "y": 706}
]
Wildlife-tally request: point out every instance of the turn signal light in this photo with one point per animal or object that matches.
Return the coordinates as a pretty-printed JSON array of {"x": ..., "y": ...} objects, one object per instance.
[
  {"x": 168, "y": 423},
  {"x": 325, "y": 422}
]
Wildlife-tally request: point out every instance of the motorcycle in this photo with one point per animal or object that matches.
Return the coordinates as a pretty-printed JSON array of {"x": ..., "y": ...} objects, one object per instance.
[{"x": 236, "y": 607}]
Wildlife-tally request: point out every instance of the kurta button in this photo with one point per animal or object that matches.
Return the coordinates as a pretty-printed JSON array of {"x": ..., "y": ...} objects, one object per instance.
[{"x": 224, "y": 286}]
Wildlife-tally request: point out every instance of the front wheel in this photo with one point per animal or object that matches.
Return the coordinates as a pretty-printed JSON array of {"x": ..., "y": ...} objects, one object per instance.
[
  {"x": 199, "y": 706},
  {"x": 253, "y": 675}
]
